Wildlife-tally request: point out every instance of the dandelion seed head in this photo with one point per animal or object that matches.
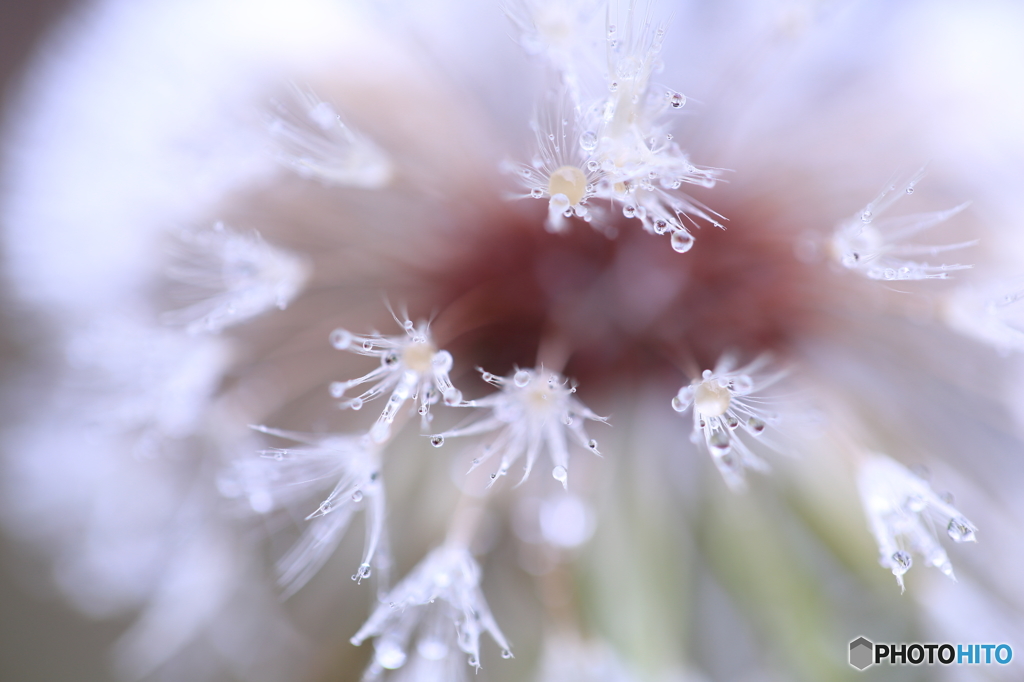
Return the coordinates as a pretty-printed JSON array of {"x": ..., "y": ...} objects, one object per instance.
[
  {"x": 445, "y": 586},
  {"x": 902, "y": 510},
  {"x": 235, "y": 277},
  {"x": 724, "y": 405},
  {"x": 610, "y": 306},
  {"x": 876, "y": 248},
  {"x": 534, "y": 409},
  {"x": 314, "y": 142},
  {"x": 411, "y": 367}
]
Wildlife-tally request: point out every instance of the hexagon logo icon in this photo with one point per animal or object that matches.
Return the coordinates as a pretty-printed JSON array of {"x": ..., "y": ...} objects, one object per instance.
[{"x": 861, "y": 653}]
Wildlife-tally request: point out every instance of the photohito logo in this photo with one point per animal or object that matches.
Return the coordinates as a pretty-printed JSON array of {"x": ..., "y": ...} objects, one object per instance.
[{"x": 865, "y": 653}]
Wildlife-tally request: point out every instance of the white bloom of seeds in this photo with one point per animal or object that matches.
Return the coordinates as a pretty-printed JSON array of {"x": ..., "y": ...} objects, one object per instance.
[
  {"x": 725, "y": 403},
  {"x": 238, "y": 276},
  {"x": 284, "y": 477},
  {"x": 614, "y": 147},
  {"x": 902, "y": 511},
  {"x": 411, "y": 367},
  {"x": 563, "y": 171},
  {"x": 876, "y": 248},
  {"x": 533, "y": 410},
  {"x": 315, "y": 143},
  {"x": 446, "y": 586}
]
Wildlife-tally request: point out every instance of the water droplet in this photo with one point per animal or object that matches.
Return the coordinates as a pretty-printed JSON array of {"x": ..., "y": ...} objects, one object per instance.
[
  {"x": 889, "y": 273},
  {"x": 960, "y": 530},
  {"x": 910, "y": 190},
  {"x": 560, "y": 474},
  {"x": 432, "y": 649},
  {"x": 719, "y": 442},
  {"x": 452, "y": 396},
  {"x": 901, "y": 562},
  {"x": 389, "y": 654},
  {"x": 947, "y": 497},
  {"x": 677, "y": 100},
  {"x": 567, "y": 419},
  {"x": 338, "y": 388},
  {"x": 592, "y": 444},
  {"x": 505, "y": 653},
  {"x": 390, "y": 359},
  {"x": 611, "y": 30},
  {"x": 423, "y": 409},
  {"x": 341, "y": 339},
  {"x": 326, "y": 506},
  {"x": 731, "y": 421},
  {"x": 588, "y": 141},
  {"x": 682, "y": 241},
  {"x": 614, "y": 85},
  {"x": 362, "y": 573},
  {"x": 354, "y": 404},
  {"x": 437, "y": 441},
  {"x": 368, "y": 345},
  {"x": 357, "y": 496},
  {"x": 629, "y": 211},
  {"x": 521, "y": 378},
  {"x": 592, "y": 165},
  {"x": 865, "y": 217},
  {"x": 473, "y": 661},
  {"x": 536, "y": 193},
  {"x": 756, "y": 426},
  {"x": 660, "y": 226}
]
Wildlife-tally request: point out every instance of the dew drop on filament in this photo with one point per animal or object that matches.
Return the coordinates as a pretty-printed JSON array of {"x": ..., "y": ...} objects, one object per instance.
[
  {"x": 901, "y": 562},
  {"x": 389, "y": 654},
  {"x": 959, "y": 530},
  {"x": 682, "y": 241}
]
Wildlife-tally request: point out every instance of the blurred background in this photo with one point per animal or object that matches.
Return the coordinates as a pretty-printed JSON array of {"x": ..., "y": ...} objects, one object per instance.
[{"x": 41, "y": 637}]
